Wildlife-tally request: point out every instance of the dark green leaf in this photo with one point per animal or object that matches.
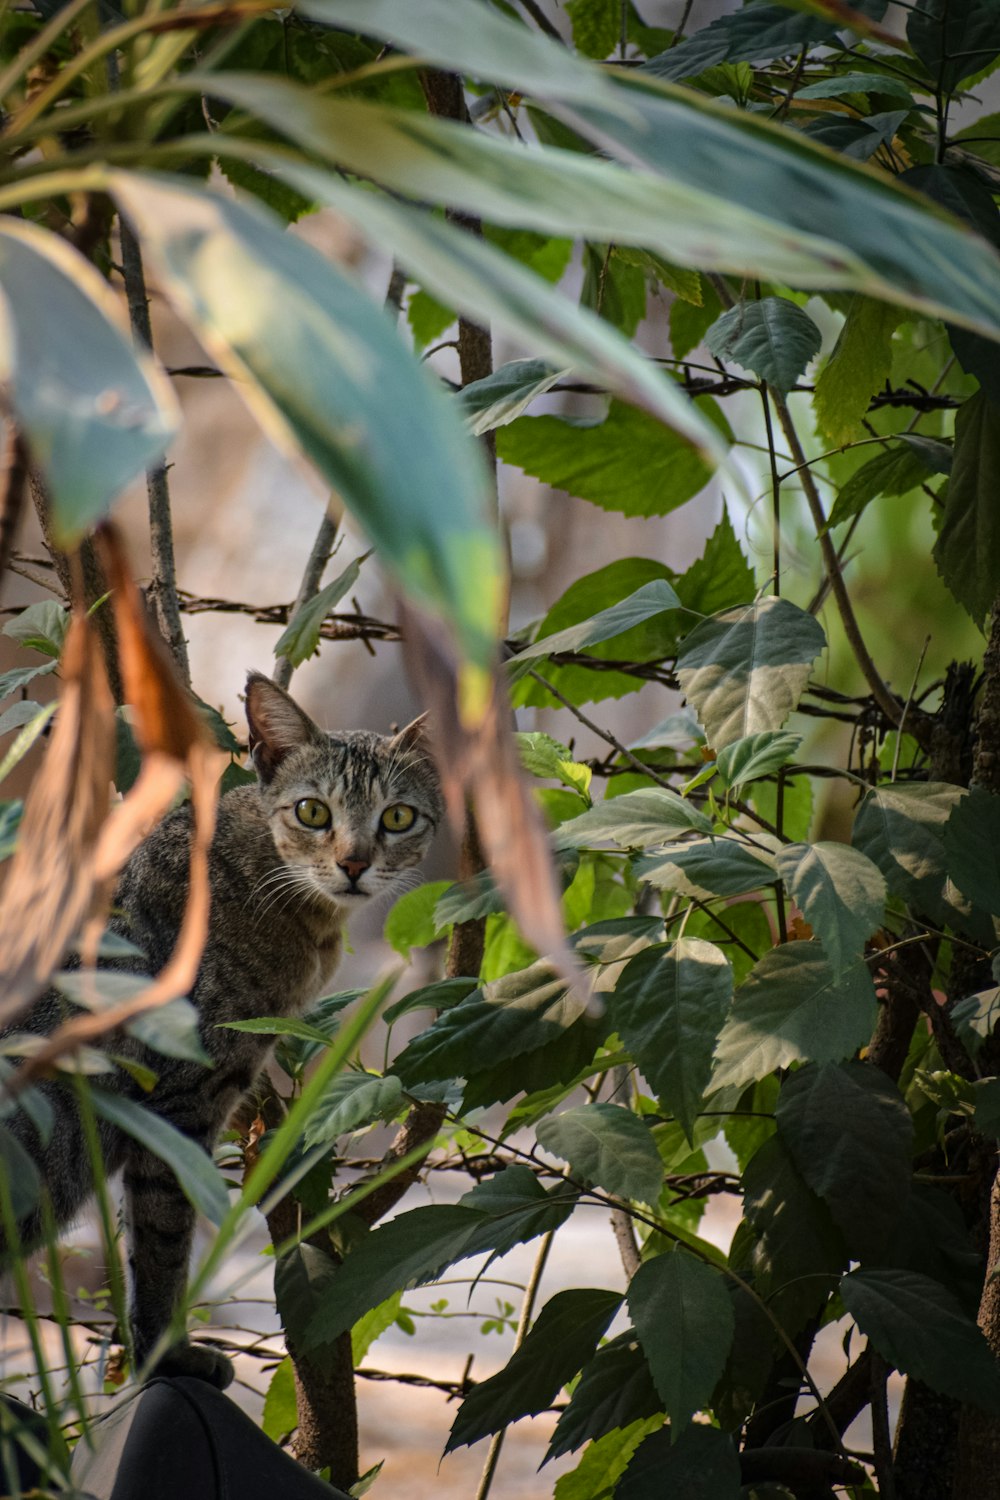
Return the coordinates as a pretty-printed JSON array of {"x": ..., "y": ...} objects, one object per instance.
[
  {"x": 649, "y": 600},
  {"x": 300, "y": 638},
  {"x": 517, "y": 1208},
  {"x": 441, "y": 995},
  {"x": 919, "y": 1327},
  {"x": 757, "y": 755},
  {"x": 172, "y": 1030},
  {"x": 901, "y": 830},
  {"x": 931, "y": 1238},
  {"x": 668, "y": 1007},
  {"x": 967, "y": 550},
  {"x": 700, "y": 1464},
  {"x": 635, "y": 820},
  {"x": 497, "y": 399},
  {"x": 895, "y": 471},
  {"x": 351, "y": 1101},
  {"x": 302, "y": 1279},
  {"x": 608, "y": 1146},
  {"x": 628, "y": 462},
  {"x": 684, "y": 1321},
  {"x": 745, "y": 669},
  {"x": 793, "y": 1008},
  {"x": 799, "y": 1252},
  {"x": 756, "y": 33},
  {"x": 195, "y": 1171},
  {"x": 20, "y": 1175},
  {"x": 773, "y": 339},
  {"x": 972, "y": 848},
  {"x": 841, "y": 895},
  {"x": 858, "y": 139},
  {"x": 562, "y": 1339},
  {"x": 954, "y": 41},
  {"x": 614, "y": 1390},
  {"x": 709, "y": 867},
  {"x": 851, "y": 1137},
  {"x": 839, "y": 84}
]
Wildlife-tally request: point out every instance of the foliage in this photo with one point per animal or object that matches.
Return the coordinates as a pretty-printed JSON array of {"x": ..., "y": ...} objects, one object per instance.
[{"x": 782, "y": 937}]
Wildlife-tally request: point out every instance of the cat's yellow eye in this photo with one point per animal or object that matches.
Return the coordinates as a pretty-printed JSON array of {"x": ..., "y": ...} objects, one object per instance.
[
  {"x": 312, "y": 813},
  {"x": 398, "y": 818}
]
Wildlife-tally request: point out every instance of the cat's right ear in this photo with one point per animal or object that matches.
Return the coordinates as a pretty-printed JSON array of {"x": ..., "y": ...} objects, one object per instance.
[{"x": 277, "y": 725}]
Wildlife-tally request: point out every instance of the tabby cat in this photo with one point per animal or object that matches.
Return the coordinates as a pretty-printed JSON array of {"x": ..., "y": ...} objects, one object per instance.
[{"x": 333, "y": 820}]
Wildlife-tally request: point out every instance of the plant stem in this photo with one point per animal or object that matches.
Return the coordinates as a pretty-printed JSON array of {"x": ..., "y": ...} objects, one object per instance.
[{"x": 312, "y": 577}]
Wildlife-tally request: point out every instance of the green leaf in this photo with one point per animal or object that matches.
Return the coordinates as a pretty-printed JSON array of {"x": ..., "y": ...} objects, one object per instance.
[
  {"x": 799, "y": 1252},
  {"x": 517, "y": 1208},
  {"x": 424, "y": 504},
  {"x": 757, "y": 33},
  {"x": 41, "y": 627},
  {"x": 172, "y": 1030},
  {"x": 300, "y": 639},
  {"x": 19, "y": 677},
  {"x": 604, "y": 1462},
  {"x": 860, "y": 364},
  {"x": 10, "y": 819},
  {"x": 634, "y": 820},
  {"x": 503, "y": 395},
  {"x": 700, "y": 1464},
  {"x": 745, "y": 669},
  {"x": 596, "y": 25},
  {"x": 773, "y": 339},
  {"x": 668, "y": 1007},
  {"x": 281, "y": 1415},
  {"x": 302, "y": 1279},
  {"x": 918, "y": 1326},
  {"x": 953, "y": 42},
  {"x": 841, "y": 894},
  {"x": 614, "y": 1389},
  {"x": 428, "y": 318},
  {"x": 20, "y": 1174},
  {"x": 351, "y": 1101},
  {"x": 839, "y": 84},
  {"x": 628, "y": 462},
  {"x": 649, "y": 600},
  {"x": 543, "y": 756},
  {"x": 410, "y": 923},
  {"x": 858, "y": 139},
  {"x": 608, "y": 1146},
  {"x": 967, "y": 550},
  {"x": 896, "y": 471},
  {"x": 901, "y": 830},
  {"x": 709, "y": 867},
  {"x": 95, "y": 410},
  {"x": 851, "y": 1137},
  {"x": 369, "y": 1328},
  {"x": 794, "y": 1008},
  {"x": 686, "y": 284},
  {"x": 563, "y": 1337},
  {"x": 972, "y": 848},
  {"x": 200, "y": 1182},
  {"x": 441, "y": 995},
  {"x": 26, "y": 737},
  {"x": 684, "y": 1319},
  {"x": 755, "y": 756}
]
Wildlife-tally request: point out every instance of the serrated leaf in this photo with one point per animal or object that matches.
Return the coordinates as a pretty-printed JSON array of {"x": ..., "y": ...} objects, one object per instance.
[
  {"x": 932, "y": 1239},
  {"x": 839, "y": 84},
  {"x": 758, "y": 33},
  {"x": 280, "y": 1415},
  {"x": 772, "y": 338},
  {"x": 302, "y": 1279},
  {"x": 755, "y": 756},
  {"x": 900, "y": 468},
  {"x": 604, "y": 1462},
  {"x": 918, "y": 1326},
  {"x": 700, "y": 1464},
  {"x": 629, "y": 462},
  {"x": 517, "y": 1208},
  {"x": 953, "y": 42},
  {"x": 615, "y": 1388},
  {"x": 608, "y": 1146},
  {"x": 410, "y": 923},
  {"x": 972, "y": 848},
  {"x": 684, "y": 1320},
  {"x": 300, "y": 638},
  {"x": 441, "y": 995},
  {"x": 649, "y": 600},
  {"x": 668, "y": 1007},
  {"x": 350, "y": 1102},
  {"x": 967, "y": 550},
  {"x": 41, "y": 627},
  {"x": 634, "y": 820},
  {"x": 901, "y": 830},
  {"x": 840, "y": 892},
  {"x": 503, "y": 395},
  {"x": 195, "y": 1171},
  {"x": 794, "y": 1008},
  {"x": 596, "y": 25},
  {"x": 799, "y": 1252},
  {"x": 709, "y": 867},
  {"x": 369, "y": 1328},
  {"x": 543, "y": 756},
  {"x": 746, "y": 668},
  {"x": 851, "y": 1136},
  {"x": 860, "y": 365},
  {"x": 563, "y": 1337},
  {"x": 858, "y": 139}
]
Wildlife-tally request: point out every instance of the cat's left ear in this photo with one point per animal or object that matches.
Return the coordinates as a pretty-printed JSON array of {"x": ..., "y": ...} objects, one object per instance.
[
  {"x": 414, "y": 738},
  {"x": 277, "y": 725}
]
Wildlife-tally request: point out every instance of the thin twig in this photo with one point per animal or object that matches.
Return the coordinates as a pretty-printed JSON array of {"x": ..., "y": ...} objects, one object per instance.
[{"x": 312, "y": 577}]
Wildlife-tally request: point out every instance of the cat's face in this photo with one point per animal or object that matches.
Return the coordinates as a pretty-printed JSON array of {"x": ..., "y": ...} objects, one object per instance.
[{"x": 349, "y": 813}]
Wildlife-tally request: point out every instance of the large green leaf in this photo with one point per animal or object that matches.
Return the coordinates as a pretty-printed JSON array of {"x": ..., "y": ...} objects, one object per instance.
[
  {"x": 615, "y": 1389},
  {"x": 710, "y": 867},
  {"x": 668, "y": 1007},
  {"x": 799, "y": 1252},
  {"x": 608, "y": 1146},
  {"x": 95, "y": 410},
  {"x": 562, "y": 1339},
  {"x": 860, "y": 365},
  {"x": 684, "y": 1319},
  {"x": 841, "y": 895},
  {"x": 901, "y": 830},
  {"x": 700, "y": 1464},
  {"x": 919, "y": 1327},
  {"x": 898, "y": 469},
  {"x": 350, "y": 1101},
  {"x": 627, "y": 462},
  {"x": 646, "y": 602},
  {"x": 268, "y": 307},
  {"x": 773, "y": 338},
  {"x": 755, "y": 33},
  {"x": 300, "y": 639},
  {"x": 500, "y": 397},
  {"x": 972, "y": 848},
  {"x": 199, "y": 1180},
  {"x": 746, "y": 669},
  {"x": 851, "y": 1137},
  {"x": 954, "y": 41},
  {"x": 794, "y": 1008},
  {"x": 302, "y": 1278},
  {"x": 967, "y": 550},
  {"x": 604, "y": 1462},
  {"x": 842, "y": 225},
  {"x": 755, "y": 756},
  {"x": 635, "y": 820}
]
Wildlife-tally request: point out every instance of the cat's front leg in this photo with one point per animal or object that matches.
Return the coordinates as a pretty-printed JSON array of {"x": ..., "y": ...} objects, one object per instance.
[{"x": 160, "y": 1227}]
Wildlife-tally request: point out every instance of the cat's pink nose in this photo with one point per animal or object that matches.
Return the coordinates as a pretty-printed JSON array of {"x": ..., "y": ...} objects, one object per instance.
[{"x": 352, "y": 868}]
